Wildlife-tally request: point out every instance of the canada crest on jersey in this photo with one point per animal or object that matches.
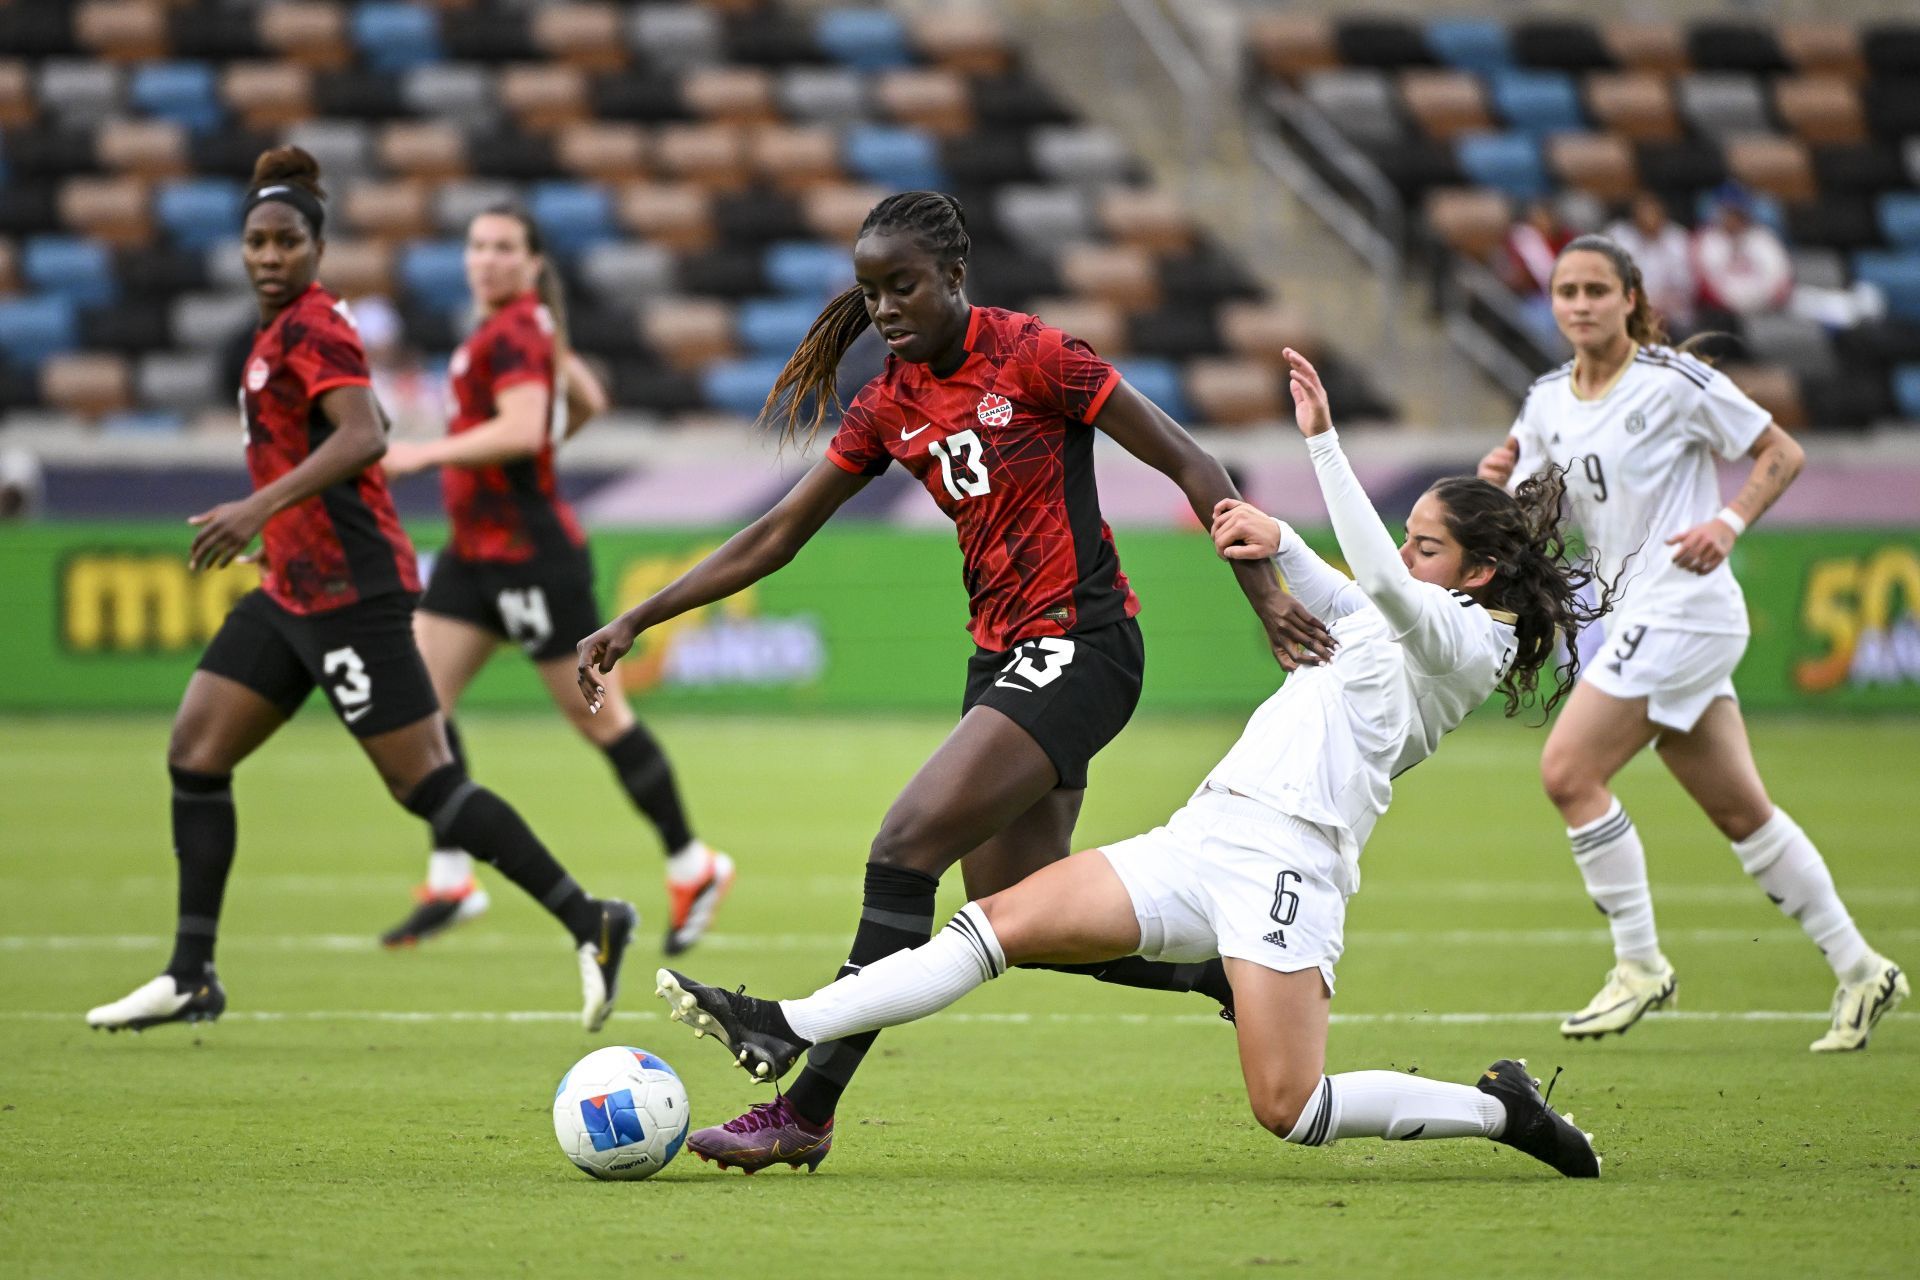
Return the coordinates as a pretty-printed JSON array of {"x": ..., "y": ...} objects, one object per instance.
[
  {"x": 458, "y": 366},
  {"x": 257, "y": 374},
  {"x": 994, "y": 411}
]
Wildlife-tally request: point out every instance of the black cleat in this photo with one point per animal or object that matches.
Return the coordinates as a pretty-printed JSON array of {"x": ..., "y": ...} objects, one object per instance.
[
  {"x": 165, "y": 999},
  {"x": 753, "y": 1030},
  {"x": 1532, "y": 1126},
  {"x": 435, "y": 913},
  {"x": 600, "y": 958}
]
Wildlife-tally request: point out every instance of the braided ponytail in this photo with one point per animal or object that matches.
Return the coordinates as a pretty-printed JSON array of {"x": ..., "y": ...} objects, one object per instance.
[
  {"x": 806, "y": 386},
  {"x": 1522, "y": 537}
]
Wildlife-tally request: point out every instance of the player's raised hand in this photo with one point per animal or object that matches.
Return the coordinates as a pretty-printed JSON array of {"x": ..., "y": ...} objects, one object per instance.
[
  {"x": 1703, "y": 548},
  {"x": 1242, "y": 531},
  {"x": 1310, "y": 409},
  {"x": 225, "y": 532},
  {"x": 1497, "y": 467},
  {"x": 1297, "y": 638},
  {"x": 597, "y": 654}
]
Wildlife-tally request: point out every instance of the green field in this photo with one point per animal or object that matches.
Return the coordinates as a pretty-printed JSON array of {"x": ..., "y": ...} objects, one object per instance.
[{"x": 364, "y": 1113}]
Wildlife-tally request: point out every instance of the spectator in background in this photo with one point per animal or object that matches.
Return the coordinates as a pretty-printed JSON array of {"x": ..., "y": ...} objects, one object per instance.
[
  {"x": 1743, "y": 267},
  {"x": 1533, "y": 245},
  {"x": 401, "y": 383},
  {"x": 1664, "y": 252}
]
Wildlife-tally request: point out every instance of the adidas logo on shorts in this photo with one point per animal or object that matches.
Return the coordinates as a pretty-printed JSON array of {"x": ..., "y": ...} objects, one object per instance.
[{"x": 1277, "y": 938}]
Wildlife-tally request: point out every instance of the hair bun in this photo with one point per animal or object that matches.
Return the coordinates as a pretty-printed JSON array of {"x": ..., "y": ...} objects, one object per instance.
[{"x": 293, "y": 166}]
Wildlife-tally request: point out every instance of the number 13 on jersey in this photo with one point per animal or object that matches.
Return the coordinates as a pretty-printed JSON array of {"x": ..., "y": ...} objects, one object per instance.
[{"x": 961, "y": 467}]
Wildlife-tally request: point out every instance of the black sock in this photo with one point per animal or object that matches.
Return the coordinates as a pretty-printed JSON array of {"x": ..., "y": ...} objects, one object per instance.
[
  {"x": 643, "y": 770},
  {"x": 1209, "y": 978},
  {"x": 203, "y": 839},
  {"x": 896, "y": 914},
  {"x": 465, "y": 815},
  {"x": 459, "y": 749}
]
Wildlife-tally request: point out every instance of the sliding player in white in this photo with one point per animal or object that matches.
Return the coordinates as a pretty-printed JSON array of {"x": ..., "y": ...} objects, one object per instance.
[
  {"x": 1636, "y": 425},
  {"x": 1258, "y": 866}
]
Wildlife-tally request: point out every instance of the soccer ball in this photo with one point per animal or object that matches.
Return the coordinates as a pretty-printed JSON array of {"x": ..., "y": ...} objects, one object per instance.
[{"x": 621, "y": 1113}]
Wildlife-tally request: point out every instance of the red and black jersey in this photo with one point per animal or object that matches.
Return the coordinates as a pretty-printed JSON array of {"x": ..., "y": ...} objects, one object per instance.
[
  {"x": 1005, "y": 447},
  {"x": 511, "y": 513},
  {"x": 344, "y": 544}
]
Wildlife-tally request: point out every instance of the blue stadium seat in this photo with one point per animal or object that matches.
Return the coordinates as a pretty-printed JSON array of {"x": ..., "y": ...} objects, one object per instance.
[
  {"x": 182, "y": 91},
  {"x": 1896, "y": 274},
  {"x": 396, "y": 37},
  {"x": 774, "y": 326},
  {"x": 1906, "y": 391},
  {"x": 903, "y": 159},
  {"x": 870, "y": 39},
  {"x": 1158, "y": 380},
  {"x": 76, "y": 269},
  {"x": 1537, "y": 101},
  {"x": 740, "y": 386},
  {"x": 200, "y": 212},
  {"x": 1472, "y": 44},
  {"x": 33, "y": 328},
  {"x": 808, "y": 267},
  {"x": 1509, "y": 162},
  {"x": 573, "y": 216},
  {"x": 434, "y": 273},
  {"x": 1900, "y": 218}
]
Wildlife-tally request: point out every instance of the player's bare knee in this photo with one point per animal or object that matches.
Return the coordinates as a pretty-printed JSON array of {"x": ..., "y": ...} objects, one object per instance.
[
  {"x": 907, "y": 842},
  {"x": 1568, "y": 782},
  {"x": 1277, "y": 1105}
]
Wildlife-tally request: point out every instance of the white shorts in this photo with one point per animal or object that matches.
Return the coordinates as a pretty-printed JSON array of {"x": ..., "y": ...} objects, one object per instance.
[
  {"x": 1679, "y": 673},
  {"x": 1228, "y": 876}
]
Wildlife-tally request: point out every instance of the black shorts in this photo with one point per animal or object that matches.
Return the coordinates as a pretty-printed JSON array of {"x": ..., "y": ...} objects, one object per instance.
[
  {"x": 544, "y": 606},
  {"x": 363, "y": 655},
  {"x": 1073, "y": 693}
]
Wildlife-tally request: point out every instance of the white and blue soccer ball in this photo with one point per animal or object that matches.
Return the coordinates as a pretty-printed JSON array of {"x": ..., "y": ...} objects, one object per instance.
[{"x": 621, "y": 1114}]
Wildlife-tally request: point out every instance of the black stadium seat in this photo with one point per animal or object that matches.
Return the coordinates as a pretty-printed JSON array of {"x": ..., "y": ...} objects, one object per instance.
[
  {"x": 26, "y": 209},
  {"x": 1893, "y": 106},
  {"x": 129, "y": 325},
  {"x": 730, "y": 272},
  {"x": 1844, "y": 222},
  {"x": 1689, "y": 166},
  {"x": 160, "y": 273},
  {"x": 486, "y": 34},
  {"x": 220, "y": 35},
  {"x": 1734, "y": 46},
  {"x": 228, "y": 153},
  {"x": 37, "y": 30},
  {"x": 769, "y": 40},
  {"x": 49, "y": 153},
  {"x": 759, "y": 216},
  {"x": 1381, "y": 42},
  {"x": 519, "y": 156},
  {"x": 1181, "y": 330},
  {"x": 1868, "y": 167},
  {"x": 1892, "y": 48},
  {"x": 1560, "y": 45},
  {"x": 661, "y": 389},
  {"x": 359, "y": 95},
  {"x": 989, "y": 157},
  {"x": 1016, "y": 102},
  {"x": 647, "y": 97}
]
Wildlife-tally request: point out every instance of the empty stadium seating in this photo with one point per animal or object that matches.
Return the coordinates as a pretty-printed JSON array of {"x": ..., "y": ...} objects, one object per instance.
[
  {"x": 699, "y": 167},
  {"x": 1470, "y": 118}
]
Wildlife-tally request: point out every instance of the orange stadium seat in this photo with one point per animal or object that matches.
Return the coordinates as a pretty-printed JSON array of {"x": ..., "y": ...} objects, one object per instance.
[
  {"x": 1445, "y": 104},
  {"x": 150, "y": 148},
  {"x": 678, "y": 215},
  {"x": 1774, "y": 388},
  {"x": 1600, "y": 163},
  {"x": 428, "y": 149},
  {"x": 1146, "y": 217},
  {"x": 9, "y": 268},
  {"x": 1099, "y": 324},
  {"x": 713, "y": 155},
  {"x": 90, "y": 384},
  {"x": 358, "y": 268},
  {"x": 834, "y": 212},
  {"x": 268, "y": 95},
  {"x": 741, "y": 95},
  {"x": 1820, "y": 109},
  {"x": 389, "y": 211},
  {"x": 1648, "y": 46},
  {"x": 1779, "y": 166},
  {"x": 117, "y": 211},
  {"x": 1472, "y": 221},
  {"x": 1264, "y": 330},
  {"x": 689, "y": 333},
  {"x": 585, "y": 35},
  {"x": 1290, "y": 45},
  {"x": 1120, "y": 274},
  {"x": 122, "y": 30},
  {"x": 1826, "y": 48},
  {"x": 544, "y": 96},
  {"x": 967, "y": 40},
  {"x": 794, "y": 157},
  {"x": 310, "y": 32},
  {"x": 933, "y": 99},
  {"x": 1233, "y": 393},
  {"x": 16, "y": 94},
  {"x": 603, "y": 151},
  {"x": 1635, "y": 104}
]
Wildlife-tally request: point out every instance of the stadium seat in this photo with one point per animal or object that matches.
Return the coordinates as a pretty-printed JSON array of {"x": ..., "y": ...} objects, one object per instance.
[
  {"x": 77, "y": 269},
  {"x": 1896, "y": 274},
  {"x": 197, "y": 212},
  {"x": 1899, "y": 213},
  {"x": 1723, "y": 104},
  {"x": 1820, "y": 109},
  {"x": 585, "y": 35},
  {"x": 1289, "y": 45},
  {"x": 1480, "y": 45},
  {"x": 149, "y": 148},
  {"x": 1472, "y": 222},
  {"x": 831, "y": 95},
  {"x": 121, "y": 32},
  {"x": 87, "y": 384},
  {"x": 79, "y": 93},
  {"x": 1635, "y": 104},
  {"x": 967, "y": 40},
  {"x": 794, "y": 157},
  {"x": 1359, "y": 102},
  {"x": 1158, "y": 380},
  {"x": 688, "y": 333},
  {"x": 18, "y": 104},
  {"x": 626, "y": 272},
  {"x": 268, "y": 95},
  {"x": 713, "y": 155},
  {"x": 1774, "y": 165},
  {"x": 455, "y": 204},
  {"x": 115, "y": 211},
  {"x": 1100, "y": 325},
  {"x": 1824, "y": 48},
  {"x": 1906, "y": 391},
  {"x": 1381, "y": 42},
  {"x": 1538, "y": 102},
  {"x": 1734, "y": 46},
  {"x": 36, "y": 327},
  {"x": 1686, "y": 166},
  {"x": 1800, "y": 345},
  {"x": 835, "y": 212},
  {"x": 431, "y": 150},
  {"x": 344, "y": 148},
  {"x": 394, "y": 37},
  {"x": 544, "y": 96},
  {"x": 433, "y": 273},
  {"x": 1599, "y": 163},
  {"x": 1180, "y": 330},
  {"x": 182, "y": 381},
  {"x": 740, "y": 386},
  {"x": 1559, "y": 45},
  {"x": 1043, "y": 219},
  {"x": 677, "y": 215},
  {"x": 927, "y": 98},
  {"x": 572, "y": 215},
  {"x": 1233, "y": 393},
  {"x": 143, "y": 422},
  {"x": 741, "y": 95},
  {"x": 1146, "y": 218},
  {"x": 808, "y": 268},
  {"x": 1659, "y": 47},
  {"x": 602, "y": 151},
  {"x": 461, "y": 91},
  {"x": 1445, "y": 104},
  {"x": 358, "y": 268},
  {"x": 1119, "y": 274},
  {"x": 1892, "y": 49},
  {"x": 1774, "y": 388},
  {"x": 774, "y": 326},
  {"x": 1080, "y": 153},
  {"x": 904, "y": 159},
  {"x": 676, "y": 37},
  {"x": 1819, "y": 268},
  {"x": 869, "y": 39},
  {"x": 310, "y": 32},
  {"x": 1508, "y": 162},
  {"x": 182, "y": 91}
]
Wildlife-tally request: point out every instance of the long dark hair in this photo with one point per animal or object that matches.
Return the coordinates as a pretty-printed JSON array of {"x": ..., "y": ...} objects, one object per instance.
[
  {"x": 804, "y": 391},
  {"x": 1534, "y": 577},
  {"x": 1644, "y": 325}
]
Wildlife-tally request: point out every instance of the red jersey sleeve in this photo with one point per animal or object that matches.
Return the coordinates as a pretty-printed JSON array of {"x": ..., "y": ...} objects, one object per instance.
[
  {"x": 520, "y": 350},
  {"x": 858, "y": 446},
  {"x": 328, "y": 354},
  {"x": 1064, "y": 375}
]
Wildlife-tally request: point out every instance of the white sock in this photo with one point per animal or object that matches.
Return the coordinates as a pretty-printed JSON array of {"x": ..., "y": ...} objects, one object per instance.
[
  {"x": 448, "y": 870},
  {"x": 905, "y": 985},
  {"x": 1397, "y": 1107},
  {"x": 690, "y": 863},
  {"x": 1614, "y": 866},
  {"x": 1785, "y": 864}
]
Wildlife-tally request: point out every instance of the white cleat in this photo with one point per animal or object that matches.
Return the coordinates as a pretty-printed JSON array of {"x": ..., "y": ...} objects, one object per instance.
[
  {"x": 1859, "y": 1006},
  {"x": 600, "y": 962},
  {"x": 158, "y": 1001},
  {"x": 1631, "y": 991}
]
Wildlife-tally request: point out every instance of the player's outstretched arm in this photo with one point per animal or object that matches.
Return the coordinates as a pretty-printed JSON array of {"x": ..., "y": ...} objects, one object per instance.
[
  {"x": 739, "y": 562},
  {"x": 1145, "y": 431},
  {"x": 517, "y": 431},
  {"x": 1242, "y": 531},
  {"x": 356, "y": 443}
]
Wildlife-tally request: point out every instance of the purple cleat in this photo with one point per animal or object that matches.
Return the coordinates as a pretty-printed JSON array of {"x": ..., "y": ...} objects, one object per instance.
[{"x": 769, "y": 1133}]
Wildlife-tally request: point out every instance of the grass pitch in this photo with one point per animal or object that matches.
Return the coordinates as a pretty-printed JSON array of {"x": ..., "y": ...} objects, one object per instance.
[{"x": 365, "y": 1113}]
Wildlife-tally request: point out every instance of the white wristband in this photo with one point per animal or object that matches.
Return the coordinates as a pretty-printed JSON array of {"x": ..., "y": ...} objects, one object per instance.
[{"x": 1731, "y": 518}]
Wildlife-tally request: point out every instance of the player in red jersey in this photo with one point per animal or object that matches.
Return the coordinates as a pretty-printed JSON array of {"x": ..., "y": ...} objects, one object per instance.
[
  {"x": 518, "y": 569},
  {"x": 334, "y": 610},
  {"x": 992, "y": 411}
]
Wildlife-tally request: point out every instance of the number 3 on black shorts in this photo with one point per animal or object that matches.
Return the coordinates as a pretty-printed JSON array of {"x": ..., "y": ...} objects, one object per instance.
[
  {"x": 353, "y": 689},
  {"x": 1037, "y": 663}
]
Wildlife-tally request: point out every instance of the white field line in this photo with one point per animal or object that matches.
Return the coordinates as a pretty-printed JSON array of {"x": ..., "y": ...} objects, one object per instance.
[
  {"x": 528, "y": 943},
  {"x": 1013, "y": 1018}
]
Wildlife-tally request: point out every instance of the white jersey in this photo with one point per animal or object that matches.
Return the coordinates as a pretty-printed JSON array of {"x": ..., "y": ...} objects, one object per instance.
[
  {"x": 1640, "y": 469},
  {"x": 1414, "y": 659}
]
